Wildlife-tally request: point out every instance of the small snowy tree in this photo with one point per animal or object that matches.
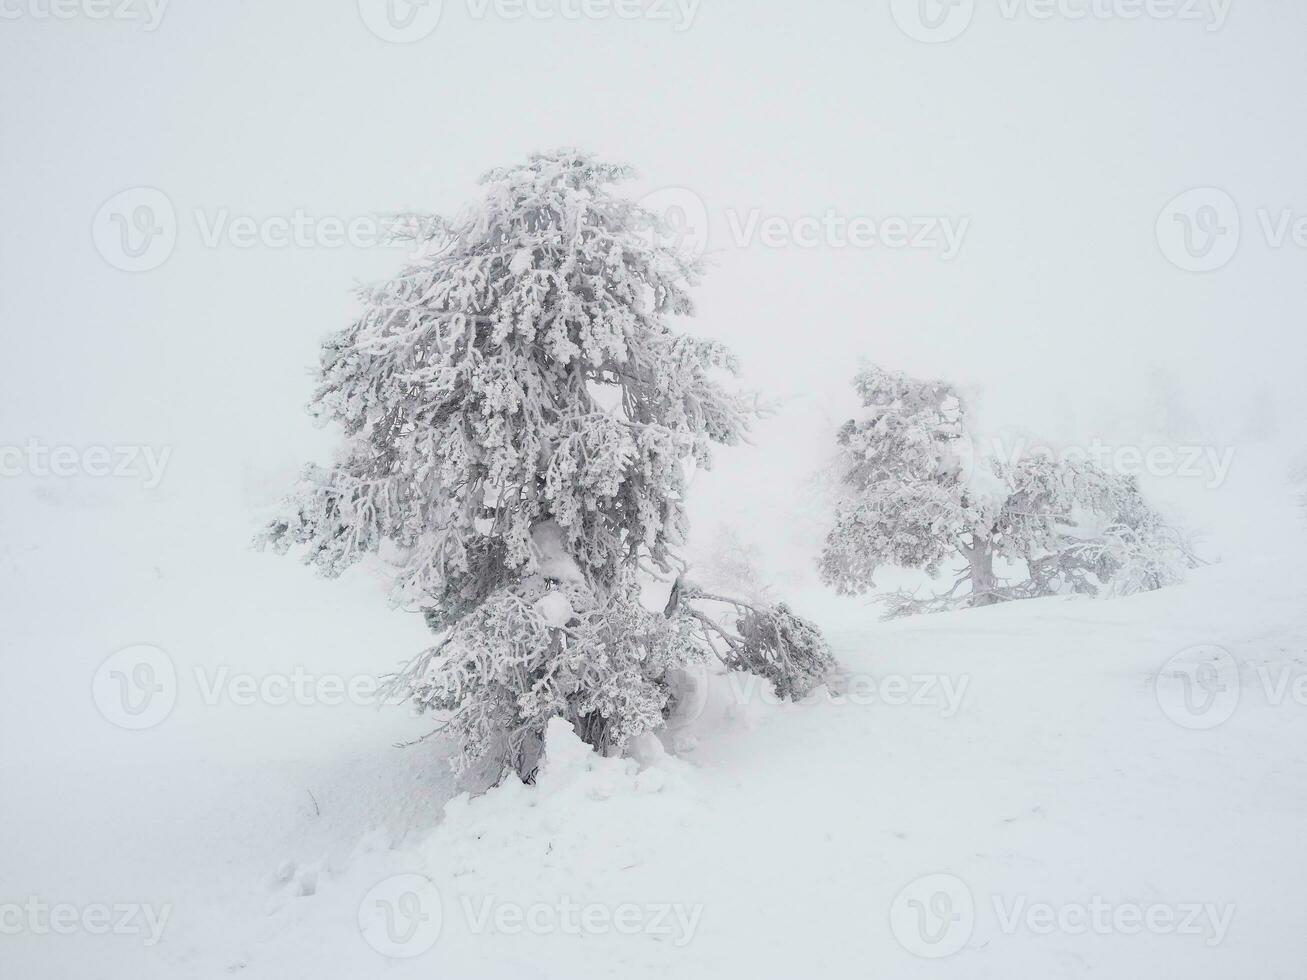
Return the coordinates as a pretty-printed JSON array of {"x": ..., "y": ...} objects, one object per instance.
[
  {"x": 519, "y": 419},
  {"x": 729, "y": 563},
  {"x": 912, "y": 494}
]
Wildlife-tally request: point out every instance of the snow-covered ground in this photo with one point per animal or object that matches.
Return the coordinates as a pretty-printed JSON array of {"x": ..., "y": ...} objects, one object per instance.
[{"x": 1010, "y": 786}]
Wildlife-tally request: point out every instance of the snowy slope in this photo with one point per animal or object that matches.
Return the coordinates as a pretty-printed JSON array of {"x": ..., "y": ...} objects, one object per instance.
[
  {"x": 1021, "y": 750},
  {"x": 790, "y": 830}
]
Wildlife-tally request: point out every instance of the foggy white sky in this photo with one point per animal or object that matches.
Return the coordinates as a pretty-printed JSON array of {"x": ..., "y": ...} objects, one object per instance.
[{"x": 1059, "y": 141}]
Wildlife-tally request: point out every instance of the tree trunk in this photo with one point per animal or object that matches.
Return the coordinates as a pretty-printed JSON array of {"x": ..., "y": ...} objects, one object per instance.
[{"x": 980, "y": 559}]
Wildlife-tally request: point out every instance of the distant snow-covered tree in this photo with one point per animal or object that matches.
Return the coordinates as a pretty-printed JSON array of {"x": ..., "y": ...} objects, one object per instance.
[
  {"x": 913, "y": 493},
  {"x": 1166, "y": 405},
  {"x": 519, "y": 417},
  {"x": 729, "y": 563}
]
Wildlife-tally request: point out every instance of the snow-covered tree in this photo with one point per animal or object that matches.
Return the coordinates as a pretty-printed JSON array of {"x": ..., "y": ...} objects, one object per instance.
[
  {"x": 913, "y": 493},
  {"x": 726, "y": 562},
  {"x": 519, "y": 419}
]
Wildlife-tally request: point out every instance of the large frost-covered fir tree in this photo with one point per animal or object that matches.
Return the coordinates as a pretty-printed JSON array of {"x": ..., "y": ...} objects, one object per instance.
[
  {"x": 519, "y": 418},
  {"x": 911, "y": 492}
]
